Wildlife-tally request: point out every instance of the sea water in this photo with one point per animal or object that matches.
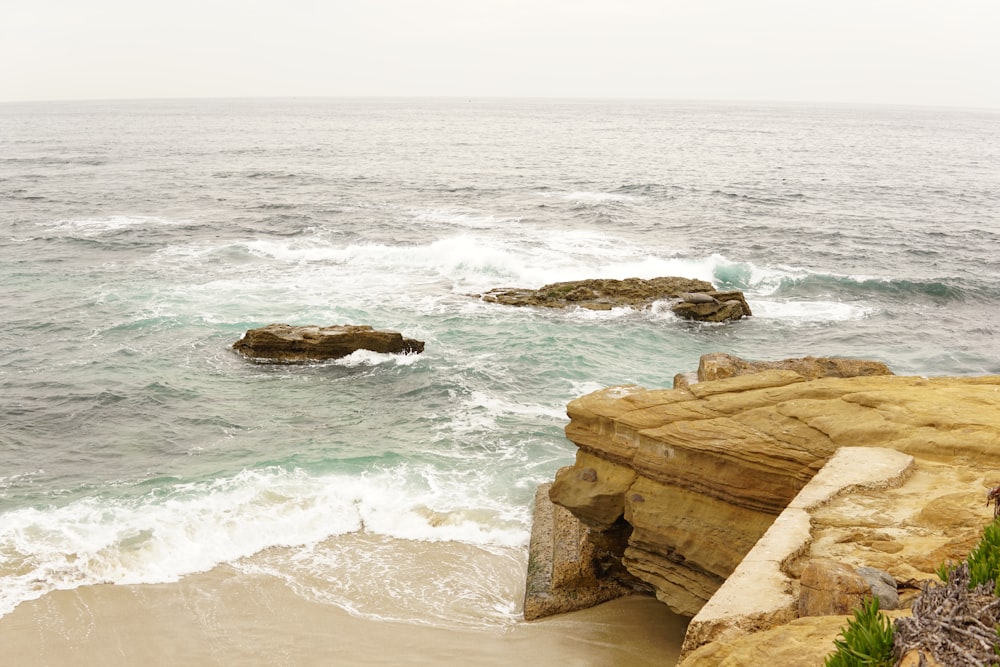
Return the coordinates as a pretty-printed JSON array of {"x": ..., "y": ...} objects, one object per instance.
[{"x": 139, "y": 240}]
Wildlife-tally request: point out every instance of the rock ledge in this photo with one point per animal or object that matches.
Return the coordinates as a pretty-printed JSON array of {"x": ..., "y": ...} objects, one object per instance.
[{"x": 876, "y": 474}]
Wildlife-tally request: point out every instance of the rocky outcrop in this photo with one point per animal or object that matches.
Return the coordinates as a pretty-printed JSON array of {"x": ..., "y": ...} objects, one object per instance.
[
  {"x": 712, "y": 306},
  {"x": 804, "y": 642},
  {"x": 288, "y": 344},
  {"x": 782, "y": 578},
  {"x": 571, "y": 567},
  {"x": 719, "y": 366},
  {"x": 691, "y": 299},
  {"x": 870, "y": 510},
  {"x": 699, "y": 473}
]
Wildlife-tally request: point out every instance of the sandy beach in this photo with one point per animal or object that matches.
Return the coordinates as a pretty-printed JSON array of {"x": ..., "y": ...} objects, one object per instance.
[{"x": 226, "y": 617}]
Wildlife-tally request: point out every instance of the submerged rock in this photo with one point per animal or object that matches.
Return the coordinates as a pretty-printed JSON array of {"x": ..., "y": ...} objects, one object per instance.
[
  {"x": 289, "y": 344},
  {"x": 692, "y": 299}
]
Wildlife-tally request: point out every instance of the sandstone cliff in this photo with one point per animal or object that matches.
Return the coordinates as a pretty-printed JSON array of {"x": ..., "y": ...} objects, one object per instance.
[{"x": 693, "y": 477}]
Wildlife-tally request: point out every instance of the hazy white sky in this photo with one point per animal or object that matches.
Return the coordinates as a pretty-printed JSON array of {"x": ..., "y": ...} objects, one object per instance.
[{"x": 878, "y": 51}]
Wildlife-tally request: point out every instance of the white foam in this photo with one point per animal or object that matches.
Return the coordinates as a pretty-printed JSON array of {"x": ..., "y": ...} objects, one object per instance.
[
  {"x": 765, "y": 281},
  {"x": 586, "y": 387},
  {"x": 589, "y": 315},
  {"x": 111, "y": 224},
  {"x": 441, "y": 584},
  {"x": 809, "y": 311},
  {"x": 369, "y": 358},
  {"x": 662, "y": 310},
  {"x": 7, "y": 481},
  {"x": 161, "y": 537},
  {"x": 314, "y": 267},
  {"x": 498, "y": 406}
]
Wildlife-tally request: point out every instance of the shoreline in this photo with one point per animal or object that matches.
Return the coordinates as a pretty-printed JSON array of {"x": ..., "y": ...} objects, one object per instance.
[{"x": 225, "y": 616}]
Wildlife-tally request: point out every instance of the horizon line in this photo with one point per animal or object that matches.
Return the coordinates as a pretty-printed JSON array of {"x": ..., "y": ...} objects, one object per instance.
[{"x": 539, "y": 98}]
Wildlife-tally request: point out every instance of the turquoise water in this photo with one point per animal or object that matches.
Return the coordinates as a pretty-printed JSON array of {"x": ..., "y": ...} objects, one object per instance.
[{"x": 140, "y": 240}]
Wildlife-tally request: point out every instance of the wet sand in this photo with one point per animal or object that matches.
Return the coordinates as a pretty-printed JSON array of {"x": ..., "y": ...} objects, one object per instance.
[{"x": 228, "y": 617}]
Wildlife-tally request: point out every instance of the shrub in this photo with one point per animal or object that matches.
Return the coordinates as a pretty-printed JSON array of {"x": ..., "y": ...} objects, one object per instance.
[
  {"x": 866, "y": 641},
  {"x": 983, "y": 561}
]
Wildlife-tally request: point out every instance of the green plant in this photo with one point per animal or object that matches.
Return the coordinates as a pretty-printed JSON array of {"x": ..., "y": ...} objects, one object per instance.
[
  {"x": 983, "y": 560},
  {"x": 866, "y": 641}
]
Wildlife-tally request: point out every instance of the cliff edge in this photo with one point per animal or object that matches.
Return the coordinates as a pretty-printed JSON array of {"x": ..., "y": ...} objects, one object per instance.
[{"x": 688, "y": 480}]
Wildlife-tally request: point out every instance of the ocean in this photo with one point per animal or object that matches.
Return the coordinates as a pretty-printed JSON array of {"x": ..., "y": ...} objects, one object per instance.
[{"x": 139, "y": 240}]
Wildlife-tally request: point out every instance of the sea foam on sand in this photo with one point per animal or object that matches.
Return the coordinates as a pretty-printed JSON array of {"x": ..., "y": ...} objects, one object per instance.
[{"x": 227, "y": 617}]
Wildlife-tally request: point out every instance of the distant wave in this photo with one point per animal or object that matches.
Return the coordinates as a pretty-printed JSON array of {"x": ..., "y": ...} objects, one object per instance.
[
  {"x": 461, "y": 218},
  {"x": 948, "y": 289},
  {"x": 591, "y": 197},
  {"x": 106, "y": 225},
  {"x": 599, "y": 197},
  {"x": 809, "y": 311},
  {"x": 760, "y": 199}
]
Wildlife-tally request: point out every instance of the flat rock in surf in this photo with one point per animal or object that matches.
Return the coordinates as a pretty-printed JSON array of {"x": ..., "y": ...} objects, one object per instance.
[
  {"x": 285, "y": 343},
  {"x": 694, "y": 299}
]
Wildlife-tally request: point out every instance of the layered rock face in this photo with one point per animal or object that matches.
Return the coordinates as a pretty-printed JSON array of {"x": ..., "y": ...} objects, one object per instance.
[
  {"x": 692, "y": 299},
  {"x": 700, "y": 472},
  {"x": 868, "y": 511},
  {"x": 288, "y": 344}
]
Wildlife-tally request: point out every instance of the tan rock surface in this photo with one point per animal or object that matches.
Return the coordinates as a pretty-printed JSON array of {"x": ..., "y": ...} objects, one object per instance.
[
  {"x": 567, "y": 570},
  {"x": 829, "y": 588},
  {"x": 800, "y": 643},
  {"x": 721, "y": 365},
  {"x": 717, "y": 461},
  {"x": 761, "y": 593}
]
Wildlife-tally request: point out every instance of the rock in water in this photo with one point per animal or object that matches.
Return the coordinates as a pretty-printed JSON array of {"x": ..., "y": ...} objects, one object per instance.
[
  {"x": 712, "y": 306},
  {"x": 285, "y": 343},
  {"x": 697, "y": 299}
]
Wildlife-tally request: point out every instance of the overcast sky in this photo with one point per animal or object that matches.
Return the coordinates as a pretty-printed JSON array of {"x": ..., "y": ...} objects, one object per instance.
[{"x": 871, "y": 51}]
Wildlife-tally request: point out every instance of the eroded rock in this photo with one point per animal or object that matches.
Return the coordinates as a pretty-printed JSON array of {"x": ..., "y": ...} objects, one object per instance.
[
  {"x": 288, "y": 344},
  {"x": 713, "y": 306},
  {"x": 570, "y": 566},
  {"x": 829, "y": 588},
  {"x": 690, "y": 298},
  {"x": 717, "y": 461},
  {"x": 804, "y": 641},
  {"x": 719, "y": 365}
]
